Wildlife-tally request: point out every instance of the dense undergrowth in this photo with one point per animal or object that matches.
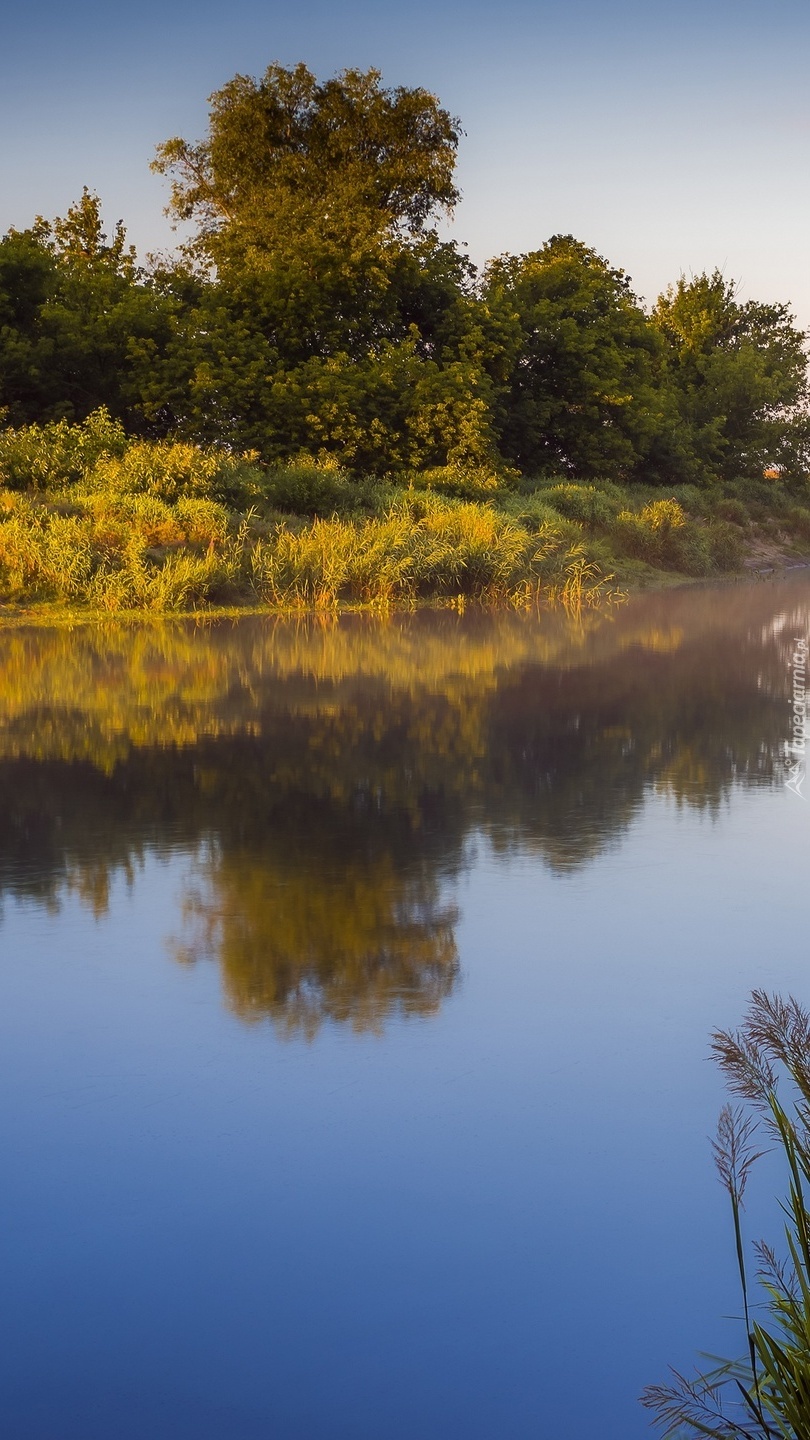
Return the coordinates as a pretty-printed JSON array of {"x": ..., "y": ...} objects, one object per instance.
[{"x": 92, "y": 517}]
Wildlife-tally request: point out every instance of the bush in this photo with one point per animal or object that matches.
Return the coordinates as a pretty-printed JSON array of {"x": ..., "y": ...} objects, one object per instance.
[
  {"x": 119, "y": 553},
  {"x": 537, "y": 513},
  {"x": 52, "y": 457},
  {"x": 688, "y": 551},
  {"x": 641, "y": 533},
  {"x": 463, "y": 482},
  {"x": 171, "y": 470},
  {"x": 691, "y": 499},
  {"x": 726, "y": 545},
  {"x": 316, "y": 487},
  {"x": 423, "y": 546},
  {"x": 134, "y": 551},
  {"x": 763, "y": 498},
  {"x": 586, "y": 503},
  {"x": 733, "y": 510},
  {"x": 799, "y": 521},
  {"x": 662, "y": 535}
]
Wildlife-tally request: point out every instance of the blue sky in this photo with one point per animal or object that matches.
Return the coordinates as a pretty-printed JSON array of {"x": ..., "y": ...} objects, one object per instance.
[{"x": 671, "y": 138}]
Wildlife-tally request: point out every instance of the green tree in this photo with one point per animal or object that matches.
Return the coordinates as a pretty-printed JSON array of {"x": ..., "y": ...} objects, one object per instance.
[
  {"x": 334, "y": 309},
  {"x": 310, "y": 200},
  {"x": 578, "y": 366},
  {"x": 81, "y": 325},
  {"x": 739, "y": 373}
]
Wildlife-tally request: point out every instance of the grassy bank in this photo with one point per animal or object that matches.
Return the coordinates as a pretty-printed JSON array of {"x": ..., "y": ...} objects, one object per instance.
[{"x": 89, "y": 517}]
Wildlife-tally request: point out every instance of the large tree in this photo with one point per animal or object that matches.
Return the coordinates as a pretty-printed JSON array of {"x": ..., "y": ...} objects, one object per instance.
[
  {"x": 312, "y": 201},
  {"x": 334, "y": 308},
  {"x": 739, "y": 372},
  {"x": 578, "y": 367}
]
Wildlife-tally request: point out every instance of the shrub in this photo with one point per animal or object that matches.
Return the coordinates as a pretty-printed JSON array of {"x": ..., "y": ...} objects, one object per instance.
[
  {"x": 119, "y": 552},
  {"x": 422, "y": 546},
  {"x": 762, "y": 497},
  {"x": 662, "y": 535},
  {"x": 171, "y": 470},
  {"x": 663, "y": 516},
  {"x": 131, "y": 551},
  {"x": 536, "y": 512},
  {"x": 464, "y": 482},
  {"x": 691, "y": 499},
  {"x": 687, "y": 550},
  {"x": 726, "y": 545},
  {"x": 52, "y": 457},
  {"x": 799, "y": 521},
  {"x": 586, "y": 503},
  {"x": 178, "y": 582},
  {"x": 318, "y": 487},
  {"x": 733, "y": 510}
]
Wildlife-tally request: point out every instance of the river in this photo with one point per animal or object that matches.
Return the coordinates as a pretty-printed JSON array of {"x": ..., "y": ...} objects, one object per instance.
[{"x": 356, "y": 979}]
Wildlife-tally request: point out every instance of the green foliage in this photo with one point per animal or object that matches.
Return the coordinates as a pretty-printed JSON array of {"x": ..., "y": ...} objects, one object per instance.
[
  {"x": 726, "y": 545},
  {"x": 52, "y": 456},
  {"x": 80, "y": 325},
  {"x": 661, "y": 534},
  {"x": 587, "y": 503},
  {"x": 130, "y": 550},
  {"x": 308, "y": 486},
  {"x": 169, "y": 471},
  {"x": 422, "y": 547},
  {"x": 578, "y": 365},
  {"x": 465, "y": 482},
  {"x": 767, "y": 1394},
  {"x": 135, "y": 552},
  {"x": 92, "y": 493},
  {"x": 316, "y": 312},
  {"x": 734, "y": 510},
  {"x": 535, "y": 511},
  {"x": 98, "y": 455},
  {"x": 799, "y": 520},
  {"x": 739, "y": 375},
  {"x": 337, "y": 322},
  {"x": 692, "y": 498},
  {"x": 288, "y": 145}
]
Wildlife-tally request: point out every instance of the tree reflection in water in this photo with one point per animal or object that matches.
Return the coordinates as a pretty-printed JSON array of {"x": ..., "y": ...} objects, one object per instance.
[
  {"x": 329, "y": 776},
  {"x": 358, "y": 946}
]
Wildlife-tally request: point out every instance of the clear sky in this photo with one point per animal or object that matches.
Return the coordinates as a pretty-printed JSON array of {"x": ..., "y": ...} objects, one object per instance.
[{"x": 671, "y": 137}]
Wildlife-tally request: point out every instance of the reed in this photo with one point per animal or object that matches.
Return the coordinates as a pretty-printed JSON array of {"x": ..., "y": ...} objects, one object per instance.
[
  {"x": 125, "y": 552},
  {"x": 766, "y": 1394}
]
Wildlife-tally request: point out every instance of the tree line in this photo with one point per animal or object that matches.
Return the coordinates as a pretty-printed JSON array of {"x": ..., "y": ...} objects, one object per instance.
[{"x": 316, "y": 310}]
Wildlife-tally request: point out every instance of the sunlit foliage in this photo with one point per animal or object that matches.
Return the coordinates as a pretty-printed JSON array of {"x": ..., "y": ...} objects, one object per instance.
[{"x": 314, "y": 309}]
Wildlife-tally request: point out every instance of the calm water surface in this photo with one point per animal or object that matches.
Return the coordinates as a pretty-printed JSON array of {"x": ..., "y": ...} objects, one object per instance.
[{"x": 355, "y": 985}]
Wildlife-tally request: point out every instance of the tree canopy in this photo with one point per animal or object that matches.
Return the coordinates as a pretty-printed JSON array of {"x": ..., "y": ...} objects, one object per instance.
[
  {"x": 343, "y": 151},
  {"x": 739, "y": 376},
  {"x": 316, "y": 309}
]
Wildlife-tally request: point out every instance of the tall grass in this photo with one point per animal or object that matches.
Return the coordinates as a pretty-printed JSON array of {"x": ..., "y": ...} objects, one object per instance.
[
  {"x": 123, "y": 552},
  {"x": 766, "y": 1394},
  {"x": 93, "y": 516},
  {"x": 428, "y": 548}
]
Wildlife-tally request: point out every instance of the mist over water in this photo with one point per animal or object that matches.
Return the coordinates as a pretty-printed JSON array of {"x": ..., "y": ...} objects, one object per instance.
[{"x": 355, "y": 984}]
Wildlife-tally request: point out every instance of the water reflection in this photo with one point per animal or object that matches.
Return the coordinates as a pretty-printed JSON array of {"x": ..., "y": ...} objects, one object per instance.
[
  {"x": 328, "y": 777},
  {"x": 364, "y": 942}
]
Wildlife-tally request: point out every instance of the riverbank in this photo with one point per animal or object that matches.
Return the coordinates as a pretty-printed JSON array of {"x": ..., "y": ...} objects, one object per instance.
[{"x": 91, "y": 520}]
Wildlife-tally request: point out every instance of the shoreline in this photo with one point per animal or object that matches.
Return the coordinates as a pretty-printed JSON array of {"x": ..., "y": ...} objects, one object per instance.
[{"x": 57, "y": 614}]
